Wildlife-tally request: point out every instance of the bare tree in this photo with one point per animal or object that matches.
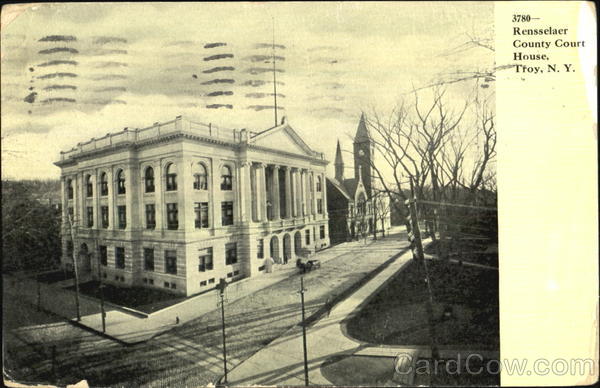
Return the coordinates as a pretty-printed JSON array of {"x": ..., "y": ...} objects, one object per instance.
[{"x": 72, "y": 226}]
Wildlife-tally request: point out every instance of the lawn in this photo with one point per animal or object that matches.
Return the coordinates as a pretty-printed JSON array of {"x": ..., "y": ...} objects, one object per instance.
[
  {"x": 143, "y": 299},
  {"x": 397, "y": 314},
  {"x": 54, "y": 276},
  {"x": 477, "y": 251}
]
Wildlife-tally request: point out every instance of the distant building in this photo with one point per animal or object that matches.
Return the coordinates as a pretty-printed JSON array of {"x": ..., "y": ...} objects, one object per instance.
[
  {"x": 181, "y": 204},
  {"x": 352, "y": 202}
]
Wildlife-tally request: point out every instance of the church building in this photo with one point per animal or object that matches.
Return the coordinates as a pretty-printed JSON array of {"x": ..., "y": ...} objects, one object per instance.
[{"x": 351, "y": 201}]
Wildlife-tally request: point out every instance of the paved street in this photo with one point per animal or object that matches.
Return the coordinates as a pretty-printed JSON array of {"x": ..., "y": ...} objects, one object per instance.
[{"x": 190, "y": 354}]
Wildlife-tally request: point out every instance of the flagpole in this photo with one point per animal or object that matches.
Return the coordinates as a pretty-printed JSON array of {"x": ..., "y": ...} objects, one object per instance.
[{"x": 274, "y": 75}]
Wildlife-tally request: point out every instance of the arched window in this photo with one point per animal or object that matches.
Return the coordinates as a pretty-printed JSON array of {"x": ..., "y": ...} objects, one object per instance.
[
  {"x": 319, "y": 187},
  {"x": 171, "y": 174},
  {"x": 103, "y": 184},
  {"x": 89, "y": 186},
  {"x": 200, "y": 177},
  {"x": 120, "y": 182},
  {"x": 226, "y": 178},
  {"x": 149, "y": 180},
  {"x": 69, "y": 189}
]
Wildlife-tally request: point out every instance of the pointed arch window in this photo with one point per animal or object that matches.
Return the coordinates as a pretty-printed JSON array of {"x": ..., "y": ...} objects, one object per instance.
[{"x": 149, "y": 180}]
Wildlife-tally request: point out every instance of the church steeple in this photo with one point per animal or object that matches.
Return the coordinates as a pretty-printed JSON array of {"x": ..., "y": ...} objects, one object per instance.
[
  {"x": 363, "y": 154},
  {"x": 339, "y": 163},
  {"x": 362, "y": 133}
]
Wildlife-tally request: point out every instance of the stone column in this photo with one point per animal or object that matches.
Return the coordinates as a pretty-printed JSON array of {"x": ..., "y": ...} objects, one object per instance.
[
  {"x": 262, "y": 192},
  {"x": 294, "y": 176},
  {"x": 81, "y": 187},
  {"x": 275, "y": 197},
  {"x": 288, "y": 193},
  {"x": 313, "y": 191},
  {"x": 253, "y": 192},
  {"x": 158, "y": 196},
  {"x": 110, "y": 177},
  {"x": 303, "y": 192},
  {"x": 185, "y": 193},
  {"x": 96, "y": 200},
  {"x": 245, "y": 195}
]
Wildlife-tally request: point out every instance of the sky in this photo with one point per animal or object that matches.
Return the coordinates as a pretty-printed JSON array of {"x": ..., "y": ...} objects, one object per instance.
[{"x": 71, "y": 72}]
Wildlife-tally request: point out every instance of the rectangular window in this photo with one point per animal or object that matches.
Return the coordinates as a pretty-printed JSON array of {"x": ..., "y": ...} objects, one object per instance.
[
  {"x": 104, "y": 188},
  {"x": 90, "y": 216},
  {"x": 260, "y": 253},
  {"x": 307, "y": 236},
  {"x": 201, "y": 211},
  {"x": 120, "y": 257},
  {"x": 149, "y": 182},
  {"x": 172, "y": 216},
  {"x": 104, "y": 214},
  {"x": 230, "y": 253},
  {"x": 320, "y": 206},
  {"x": 149, "y": 259},
  {"x": 206, "y": 260},
  {"x": 171, "y": 182},
  {"x": 89, "y": 189},
  {"x": 70, "y": 191},
  {"x": 173, "y": 285},
  {"x": 71, "y": 214},
  {"x": 122, "y": 212},
  {"x": 322, "y": 231},
  {"x": 166, "y": 284},
  {"x": 226, "y": 213},
  {"x": 103, "y": 255},
  {"x": 171, "y": 262},
  {"x": 203, "y": 283},
  {"x": 69, "y": 248},
  {"x": 150, "y": 216},
  {"x": 200, "y": 182},
  {"x": 211, "y": 281}
]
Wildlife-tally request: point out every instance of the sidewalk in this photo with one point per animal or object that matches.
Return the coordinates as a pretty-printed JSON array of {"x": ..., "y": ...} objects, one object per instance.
[{"x": 282, "y": 363}]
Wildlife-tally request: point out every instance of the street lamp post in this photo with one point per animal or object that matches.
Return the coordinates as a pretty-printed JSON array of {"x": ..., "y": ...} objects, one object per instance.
[
  {"x": 221, "y": 287},
  {"x": 101, "y": 288},
  {"x": 302, "y": 290}
]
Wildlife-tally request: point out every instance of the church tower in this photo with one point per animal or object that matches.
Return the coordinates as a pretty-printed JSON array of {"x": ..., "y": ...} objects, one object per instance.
[
  {"x": 339, "y": 164},
  {"x": 363, "y": 155}
]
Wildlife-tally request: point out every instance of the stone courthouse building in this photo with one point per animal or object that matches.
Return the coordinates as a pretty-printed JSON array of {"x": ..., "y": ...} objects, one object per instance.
[{"x": 181, "y": 204}]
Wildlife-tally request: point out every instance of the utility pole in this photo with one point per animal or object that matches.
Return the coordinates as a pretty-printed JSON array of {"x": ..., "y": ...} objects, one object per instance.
[
  {"x": 221, "y": 287},
  {"x": 414, "y": 237},
  {"x": 302, "y": 290},
  {"x": 72, "y": 232},
  {"x": 101, "y": 287}
]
